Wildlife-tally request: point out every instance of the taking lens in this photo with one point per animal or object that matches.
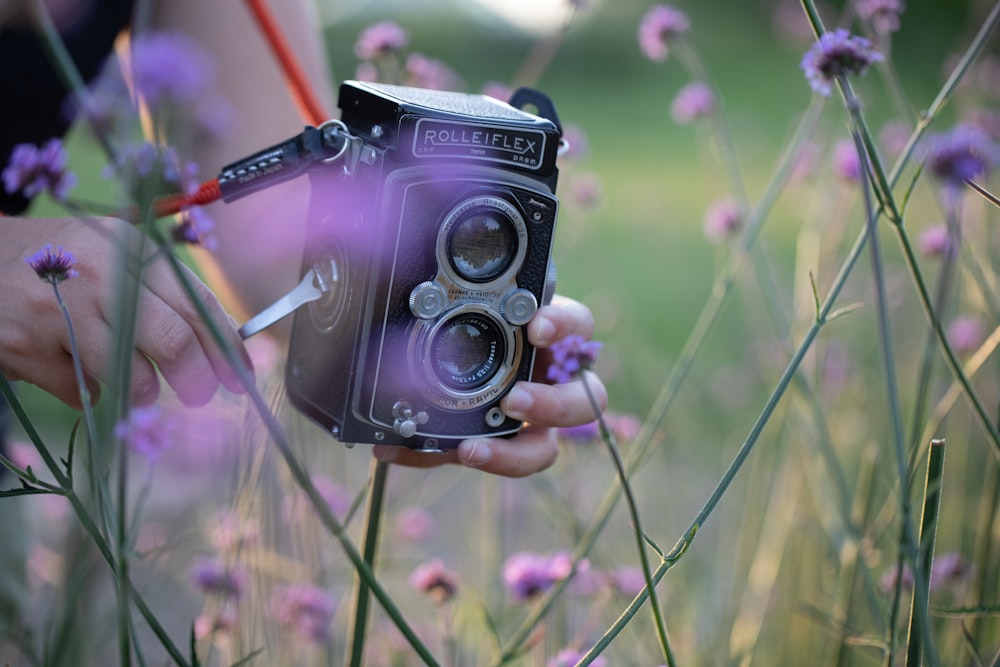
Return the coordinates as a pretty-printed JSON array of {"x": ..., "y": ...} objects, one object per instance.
[
  {"x": 482, "y": 245},
  {"x": 467, "y": 351}
]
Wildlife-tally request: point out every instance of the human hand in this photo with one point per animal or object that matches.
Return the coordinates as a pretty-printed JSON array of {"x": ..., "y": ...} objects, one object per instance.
[
  {"x": 542, "y": 406},
  {"x": 170, "y": 334}
]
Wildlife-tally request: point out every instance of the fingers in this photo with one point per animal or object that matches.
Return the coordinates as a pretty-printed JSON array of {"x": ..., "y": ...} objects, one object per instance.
[
  {"x": 173, "y": 334},
  {"x": 532, "y": 450},
  {"x": 556, "y": 405},
  {"x": 561, "y": 318}
]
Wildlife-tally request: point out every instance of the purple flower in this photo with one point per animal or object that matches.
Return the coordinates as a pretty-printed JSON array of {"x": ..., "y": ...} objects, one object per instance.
[
  {"x": 31, "y": 170},
  {"x": 891, "y": 578},
  {"x": 304, "y": 609},
  {"x": 628, "y": 580},
  {"x": 336, "y": 496},
  {"x": 845, "y": 161},
  {"x": 935, "y": 241},
  {"x": 575, "y": 144},
  {"x": 570, "y": 356},
  {"x": 146, "y": 431},
  {"x": 965, "y": 334},
  {"x": 883, "y": 15},
  {"x": 195, "y": 227},
  {"x": 569, "y": 657},
  {"x": 960, "y": 154},
  {"x": 694, "y": 101},
  {"x": 582, "y": 433},
  {"x": 215, "y": 577},
  {"x": 949, "y": 568},
  {"x": 380, "y": 39},
  {"x": 414, "y": 524},
  {"x": 53, "y": 265},
  {"x": 224, "y": 621},
  {"x": 497, "y": 90},
  {"x": 722, "y": 220},
  {"x": 658, "y": 27},
  {"x": 837, "y": 53},
  {"x": 529, "y": 574},
  {"x": 434, "y": 579},
  {"x": 170, "y": 66},
  {"x": 424, "y": 72},
  {"x": 151, "y": 169}
]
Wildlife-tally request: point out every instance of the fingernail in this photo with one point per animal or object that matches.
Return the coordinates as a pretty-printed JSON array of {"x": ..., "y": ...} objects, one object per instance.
[
  {"x": 475, "y": 453},
  {"x": 519, "y": 402},
  {"x": 545, "y": 330}
]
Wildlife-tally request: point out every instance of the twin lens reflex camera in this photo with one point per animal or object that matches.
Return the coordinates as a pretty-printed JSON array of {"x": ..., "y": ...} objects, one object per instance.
[{"x": 430, "y": 237}]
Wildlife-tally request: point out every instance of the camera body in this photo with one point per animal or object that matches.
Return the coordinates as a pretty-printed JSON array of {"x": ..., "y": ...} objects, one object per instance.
[{"x": 434, "y": 231}]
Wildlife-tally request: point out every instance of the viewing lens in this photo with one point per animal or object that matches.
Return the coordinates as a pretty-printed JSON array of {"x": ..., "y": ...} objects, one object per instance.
[
  {"x": 467, "y": 351},
  {"x": 482, "y": 245}
]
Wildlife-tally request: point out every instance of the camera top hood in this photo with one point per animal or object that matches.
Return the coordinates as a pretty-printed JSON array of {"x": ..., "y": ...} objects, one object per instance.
[{"x": 431, "y": 125}]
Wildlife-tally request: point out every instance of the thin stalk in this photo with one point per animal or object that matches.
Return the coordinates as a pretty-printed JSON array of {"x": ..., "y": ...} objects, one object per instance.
[
  {"x": 609, "y": 439},
  {"x": 646, "y": 439},
  {"x": 920, "y": 637},
  {"x": 362, "y": 594},
  {"x": 295, "y": 468},
  {"x": 745, "y": 449}
]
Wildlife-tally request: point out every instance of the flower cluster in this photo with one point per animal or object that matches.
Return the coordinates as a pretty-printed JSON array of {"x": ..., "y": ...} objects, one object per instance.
[
  {"x": 33, "y": 170},
  {"x": 692, "y": 102},
  {"x": 529, "y": 574},
  {"x": 213, "y": 576},
  {"x": 146, "y": 431},
  {"x": 435, "y": 580},
  {"x": 661, "y": 25},
  {"x": 883, "y": 15},
  {"x": 837, "y": 53},
  {"x": 570, "y": 357},
  {"x": 305, "y": 610},
  {"x": 962, "y": 153},
  {"x": 53, "y": 265},
  {"x": 723, "y": 219}
]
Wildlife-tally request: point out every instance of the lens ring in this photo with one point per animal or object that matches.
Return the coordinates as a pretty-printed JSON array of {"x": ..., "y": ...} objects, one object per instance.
[
  {"x": 467, "y": 351},
  {"x": 482, "y": 240},
  {"x": 481, "y": 245}
]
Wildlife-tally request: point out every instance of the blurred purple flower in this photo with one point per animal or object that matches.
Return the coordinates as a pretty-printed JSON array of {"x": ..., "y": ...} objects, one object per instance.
[
  {"x": 366, "y": 71},
  {"x": 435, "y": 580},
  {"x": 949, "y": 569},
  {"x": 571, "y": 356},
  {"x": 790, "y": 23},
  {"x": 883, "y": 15},
  {"x": 146, "y": 431},
  {"x": 965, "y": 334},
  {"x": 723, "y": 219},
  {"x": 229, "y": 532},
  {"x": 169, "y": 66},
  {"x": 575, "y": 143},
  {"x": 585, "y": 190},
  {"x": 24, "y": 456},
  {"x": 658, "y": 27},
  {"x": 625, "y": 426},
  {"x": 529, "y": 574},
  {"x": 893, "y": 138},
  {"x": 150, "y": 169},
  {"x": 962, "y": 153},
  {"x": 628, "y": 580},
  {"x": 53, "y": 265},
  {"x": 837, "y": 53},
  {"x": 693, "y": 102},
  {"x": 424, "y": 72},
  {"x": 414, "y": 524},
  {"x": 32, "y": 170},
  {"x": 304, "y": 609},
  {"x": 497, "y": 90},
  {"x": 845, "y": 161},
  {"x": 339, "y": 499},
  {"x": 195, "y": 227},
  {"x": 380, "y": 39},
  {"x": 223, "y": 621},
  {"x": 213, "y": 576},
  {"x": 569, "y": 657},
  {"x": 588, "y": 432},
  {"x": 935, "y": 241},
  {"x": 890, "y": 578}
]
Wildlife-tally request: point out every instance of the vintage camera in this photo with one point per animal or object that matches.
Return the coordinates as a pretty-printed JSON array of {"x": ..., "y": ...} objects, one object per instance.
[{"x": 432, "y": 231}]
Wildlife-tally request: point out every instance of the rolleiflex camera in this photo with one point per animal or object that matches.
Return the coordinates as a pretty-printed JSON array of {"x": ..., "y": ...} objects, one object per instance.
[{"x": 430, "y": 238}]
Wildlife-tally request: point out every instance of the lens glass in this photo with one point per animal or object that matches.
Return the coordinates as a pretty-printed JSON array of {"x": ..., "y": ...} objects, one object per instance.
[
  {"x": 482, "y": 245},
  {"x": 467, "y": 351}
]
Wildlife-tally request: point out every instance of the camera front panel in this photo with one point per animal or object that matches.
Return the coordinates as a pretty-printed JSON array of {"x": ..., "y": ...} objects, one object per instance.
[{"x": 467, "y": 256}]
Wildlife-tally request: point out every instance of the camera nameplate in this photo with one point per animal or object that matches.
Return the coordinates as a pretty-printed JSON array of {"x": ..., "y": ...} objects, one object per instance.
[{"x": 499, "y": 144}]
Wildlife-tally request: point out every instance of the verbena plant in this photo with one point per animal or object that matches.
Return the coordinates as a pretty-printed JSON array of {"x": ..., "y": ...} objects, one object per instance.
[{"x": 835, "y": 558}]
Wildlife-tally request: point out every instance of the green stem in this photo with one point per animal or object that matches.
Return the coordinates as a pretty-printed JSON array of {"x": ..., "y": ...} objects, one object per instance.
[
  {"x": 920, "y": 637},
  {"x": 373, "y": 522},
  {"x": 633, "y": 508},
  {"x": 295, "y": 468}
]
